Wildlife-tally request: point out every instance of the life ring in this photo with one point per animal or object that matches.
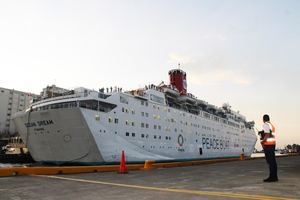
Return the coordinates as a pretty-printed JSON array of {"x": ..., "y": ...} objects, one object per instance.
[{"x": 180, "y": 140}]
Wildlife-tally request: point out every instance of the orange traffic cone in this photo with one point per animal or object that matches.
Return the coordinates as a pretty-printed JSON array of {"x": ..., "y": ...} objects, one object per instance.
[{"x": 123, "y": 168}]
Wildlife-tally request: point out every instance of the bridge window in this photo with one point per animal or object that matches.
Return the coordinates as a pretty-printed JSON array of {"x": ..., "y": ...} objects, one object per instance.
[
  {"x": 96, "y": 105},
  {"x": 124, "y": 99},
  {"x": 156, "y": 99}
]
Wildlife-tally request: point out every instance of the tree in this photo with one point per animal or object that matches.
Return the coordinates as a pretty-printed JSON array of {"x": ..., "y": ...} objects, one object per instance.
[
  {"x": 298, "y": 149},
  {"x": 294, "y": 146}
]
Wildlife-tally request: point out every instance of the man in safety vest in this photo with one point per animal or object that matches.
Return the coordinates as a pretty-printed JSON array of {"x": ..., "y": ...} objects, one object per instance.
[{"x": 268, "y": 143}]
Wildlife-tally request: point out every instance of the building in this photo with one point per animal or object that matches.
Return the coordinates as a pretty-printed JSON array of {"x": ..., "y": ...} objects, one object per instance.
[
  {"x": 12, "y": 101},
  {"x": 53, "y": 91}
]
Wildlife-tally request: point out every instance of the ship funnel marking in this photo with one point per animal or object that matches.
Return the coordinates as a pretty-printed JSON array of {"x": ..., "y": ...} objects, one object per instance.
[{"x": 178, "y": 80}]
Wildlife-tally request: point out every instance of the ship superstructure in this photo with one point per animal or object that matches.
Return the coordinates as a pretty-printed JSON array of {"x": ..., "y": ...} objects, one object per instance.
[{"x": 158, "y": 122}]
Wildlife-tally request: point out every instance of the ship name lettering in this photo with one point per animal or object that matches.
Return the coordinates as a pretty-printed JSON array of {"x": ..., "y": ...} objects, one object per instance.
[
  {"x": 45, "y": 122},
  {"x": 39, "y": 123},
  {"x": 30, "y": 124},
  {"x": 214, "y": 143}
]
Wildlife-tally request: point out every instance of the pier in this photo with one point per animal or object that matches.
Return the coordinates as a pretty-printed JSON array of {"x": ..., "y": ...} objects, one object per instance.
[{"x": 223, "y": 180}]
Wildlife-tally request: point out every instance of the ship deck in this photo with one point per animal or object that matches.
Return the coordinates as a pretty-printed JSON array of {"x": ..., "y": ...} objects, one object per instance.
[{"x": 228, "y": 180}]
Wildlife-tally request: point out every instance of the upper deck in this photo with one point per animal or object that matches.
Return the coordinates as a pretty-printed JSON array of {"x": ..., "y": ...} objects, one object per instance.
[{"x": 163, "y": 95}]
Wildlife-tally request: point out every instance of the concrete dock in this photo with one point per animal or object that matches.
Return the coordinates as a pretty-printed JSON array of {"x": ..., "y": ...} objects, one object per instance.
[{"x": 229, "y": 180}]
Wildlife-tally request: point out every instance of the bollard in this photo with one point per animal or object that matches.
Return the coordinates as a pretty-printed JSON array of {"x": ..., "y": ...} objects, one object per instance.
[
  {"x": 242, "y": 156},
  {"x": 148, "y": 164}
]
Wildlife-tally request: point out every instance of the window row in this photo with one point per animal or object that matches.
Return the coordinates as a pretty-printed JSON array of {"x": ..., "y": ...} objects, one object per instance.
[
  {"x": 159, "y": 137},
  {"x": 126, "y": 110},
  {"x": 144, "y": 103},
  {"x": 155, "y": 127},
  {"x": 111, "y": 120},
  {"x": 145, "y": 114}
]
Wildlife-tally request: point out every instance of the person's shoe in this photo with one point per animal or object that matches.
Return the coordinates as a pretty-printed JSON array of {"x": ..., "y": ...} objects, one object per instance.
[{"x": 271, "y": 180}]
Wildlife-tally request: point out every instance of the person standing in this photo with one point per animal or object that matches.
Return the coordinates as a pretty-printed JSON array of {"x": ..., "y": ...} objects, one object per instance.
[{"x": 268, "y": 143}]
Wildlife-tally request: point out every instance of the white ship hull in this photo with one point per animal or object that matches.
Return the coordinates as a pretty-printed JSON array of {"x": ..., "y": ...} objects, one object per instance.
[{"x": 74, "y": 134}]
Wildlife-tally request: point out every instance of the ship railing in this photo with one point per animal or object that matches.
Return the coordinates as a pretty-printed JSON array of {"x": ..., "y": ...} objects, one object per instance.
[
  {"x": 57, "y": 98},
  {"x": 191, "y": 95}
]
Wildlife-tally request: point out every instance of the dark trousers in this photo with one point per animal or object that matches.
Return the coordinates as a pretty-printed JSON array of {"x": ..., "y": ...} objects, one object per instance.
[{"x": 271, "y": 160}]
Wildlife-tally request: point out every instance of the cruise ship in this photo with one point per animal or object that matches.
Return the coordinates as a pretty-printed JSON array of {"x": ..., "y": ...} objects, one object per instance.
[{"x": 158, "y": 122}]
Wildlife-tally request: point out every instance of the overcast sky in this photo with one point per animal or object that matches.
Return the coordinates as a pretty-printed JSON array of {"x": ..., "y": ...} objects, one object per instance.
[{"x": 245, "y": 53}]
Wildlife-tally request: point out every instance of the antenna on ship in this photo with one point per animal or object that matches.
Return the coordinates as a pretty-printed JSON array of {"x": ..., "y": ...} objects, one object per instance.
[{"x": 179, "y": 65}]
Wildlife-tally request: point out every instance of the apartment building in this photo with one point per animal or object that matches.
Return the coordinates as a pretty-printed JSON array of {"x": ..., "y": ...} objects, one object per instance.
[{"x": 12, "y": 101}]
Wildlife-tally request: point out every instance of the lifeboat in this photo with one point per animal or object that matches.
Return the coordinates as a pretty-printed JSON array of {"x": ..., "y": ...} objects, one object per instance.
[
  {"x": 171, "y": 91},
  {"x": 188, "y": 98}
]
